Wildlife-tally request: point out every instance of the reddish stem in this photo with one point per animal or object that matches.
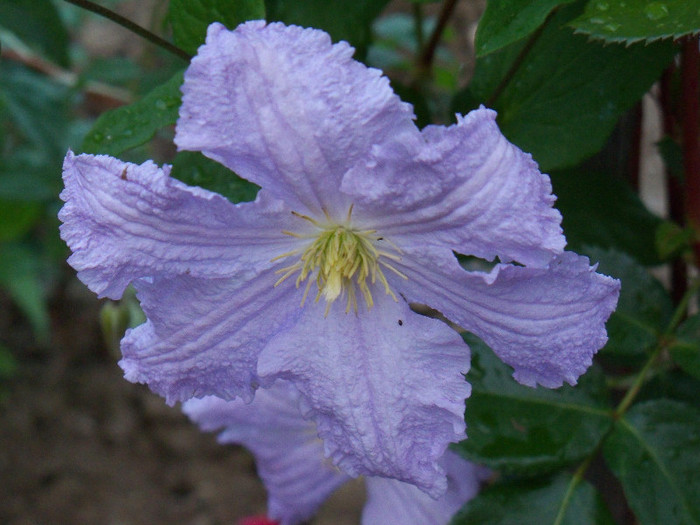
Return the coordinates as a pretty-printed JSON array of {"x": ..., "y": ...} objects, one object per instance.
[
  {"x": 634, "y": 159},
  {"x": 690, "y": 100},
  {"x": 674, "y": 188}
]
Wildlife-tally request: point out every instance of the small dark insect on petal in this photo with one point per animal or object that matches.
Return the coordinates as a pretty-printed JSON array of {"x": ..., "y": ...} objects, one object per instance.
[
  {"x": 123, "y": 176},
  {"x": 400, "y": 322}
]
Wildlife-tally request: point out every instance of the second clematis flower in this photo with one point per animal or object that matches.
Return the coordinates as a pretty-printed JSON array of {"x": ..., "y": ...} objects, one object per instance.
[
  {"x": 359, "y": 216},
  {"x": 289, "y": 459}
]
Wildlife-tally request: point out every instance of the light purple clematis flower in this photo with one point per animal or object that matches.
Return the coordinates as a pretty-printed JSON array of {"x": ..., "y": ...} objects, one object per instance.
[
  {"x": 290, "y": 461},
  {"x": 359, "y": 216}
]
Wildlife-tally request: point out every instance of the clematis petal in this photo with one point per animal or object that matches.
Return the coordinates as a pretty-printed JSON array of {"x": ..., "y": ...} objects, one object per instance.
[
  {"x": 286, "y": 109},
  {"x": 544, "y": 322},
  {"x": 125, "y": 221},
  {"x": 288, "y": 454},
  {"x": 203, "y": 336},
  {"x": 463, "y": 187},
  {"x": 392, "y": 501},
  {"x": 385, "y": 387}
]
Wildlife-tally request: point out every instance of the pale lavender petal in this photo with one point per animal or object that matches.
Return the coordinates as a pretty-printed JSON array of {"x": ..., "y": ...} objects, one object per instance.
[
  {"x": 385, "y": 387},
  {"x": 287, "y": 110},
  {"x": 463, "y": 188},
  {"x": 288, "y": 454},
  {"x": 203, "y": 336},
  {"x": 547, "y": 323},
  {"x": 392, "y": 501},
  {"x": 125, "y": 221}
]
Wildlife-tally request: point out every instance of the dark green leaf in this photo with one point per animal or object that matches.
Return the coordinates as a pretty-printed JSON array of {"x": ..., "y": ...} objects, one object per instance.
[
  {"x": 654, "y": 453},
  {"x": 507, "y": 21},
  {"x": 672, "y": 240},
  {"x": 566, "y": 95},
  {"x": 129, "y": 126},
  {"x": 190, "y": 18},
  {"x": 8, "y": 364},
  {"x": 561, "y": 500},
  {"x": 37, "y": 23},
  {"x": 523, "y": 430},
  {"x": 24, "y": 178},
  {"x": 672, "y": 155},
  {"x": 37, "y": 107},
  {"x": 644, "y": 308},
  {"x": 686, "y": 348},
  {"x": 348, "y": 20},
  {"x": 17, "y": 218},
  {"x": 641, "y": 20},
  {"x": 21, "y": 274},
  {"x": 675, "y": 384},
  {"x": 600, "y": 209},
  {"x": 197, "y": 170}
]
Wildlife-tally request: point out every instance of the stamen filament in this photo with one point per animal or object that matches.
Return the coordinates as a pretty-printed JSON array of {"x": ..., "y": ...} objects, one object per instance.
[{"x": 341, "y": 258}]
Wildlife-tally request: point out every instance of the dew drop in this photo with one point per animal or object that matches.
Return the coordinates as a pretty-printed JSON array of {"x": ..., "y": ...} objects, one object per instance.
[
  {"x": 161, "y": 105},
  {"x": 98, "y": 137},
  {"x": 602, "y": 6},
  {"x": 108, "y": 137},
  {"x": 656, "y": 10}
]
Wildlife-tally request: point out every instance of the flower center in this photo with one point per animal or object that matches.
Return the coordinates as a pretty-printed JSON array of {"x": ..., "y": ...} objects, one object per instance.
[{"x": 341, "y": 258}]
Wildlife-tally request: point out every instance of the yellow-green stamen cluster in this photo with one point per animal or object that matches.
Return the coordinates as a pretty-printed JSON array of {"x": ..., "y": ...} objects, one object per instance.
[{"x": 341, "y": 257}]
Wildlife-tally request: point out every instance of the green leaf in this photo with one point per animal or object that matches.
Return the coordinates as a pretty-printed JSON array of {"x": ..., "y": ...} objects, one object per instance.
[
  {"x": 644, "y": 308},
  {"x": 507, "y": 21},
  {"x": 349, "y": 20},
  {"x": 195, "y": 169},
  {"x": 673, "y": 241},
  {"x": 37, "y": 23},
  {"x": 129, "y": 126},
  {"x": 8, "y": 364},
  {"x": 600, "y": 209},
  {"x": 38, "y": 108},
  {"x": 565, "y": 97},
  {"x": 640, "y": 20},
  {"x": 685, "y": 350},
  {"x": 21, "y": 274},
  {"x": 561, "y": 500},
  {"x": 190, "y": 18},
  {"x": 17, "y": 218},
  {"x": 653, "y": 450},
  {"x": 674, "y": 384},
  {"x": 519, "y": 429}
]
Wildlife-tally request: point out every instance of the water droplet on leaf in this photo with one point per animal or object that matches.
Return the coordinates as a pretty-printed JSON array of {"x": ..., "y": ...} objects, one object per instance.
[
  {"x": 161, "y": 105},
  {"x": 603, "y": 6},
  {"x": 656, "y": 10},
  {"x": 97, "y": 137}
]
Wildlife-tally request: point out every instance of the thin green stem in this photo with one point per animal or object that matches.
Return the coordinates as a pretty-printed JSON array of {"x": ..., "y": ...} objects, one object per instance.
[
  {"x": 131, "y": 26},
  {"x": 418, "y": 23},
  {"x": 661, "y": 345},
  {"x": 631, "y": 394},
  {"x": 575, "y": 480}
]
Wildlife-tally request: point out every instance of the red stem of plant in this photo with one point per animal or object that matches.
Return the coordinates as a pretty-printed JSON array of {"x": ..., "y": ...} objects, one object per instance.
[
  {"x": 674, "y": 188},
  {"x": 690, "y": 100}
]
